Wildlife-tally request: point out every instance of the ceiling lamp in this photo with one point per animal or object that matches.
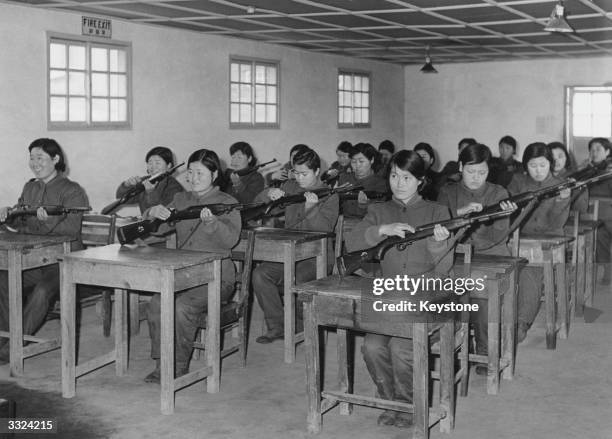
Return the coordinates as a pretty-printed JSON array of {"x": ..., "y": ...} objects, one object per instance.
[
  {"x": 428, "y": 66},
  {"x": 557, "y": 21}
]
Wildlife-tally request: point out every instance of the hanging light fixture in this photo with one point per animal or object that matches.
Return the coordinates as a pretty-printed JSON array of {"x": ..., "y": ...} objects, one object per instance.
[
  {"x": 557, "y": 21},
  {"x": 428, "y": 66}
]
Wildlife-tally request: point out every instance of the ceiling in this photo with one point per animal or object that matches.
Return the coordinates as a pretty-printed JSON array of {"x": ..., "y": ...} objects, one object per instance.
[{"x": 396, "y": 31}]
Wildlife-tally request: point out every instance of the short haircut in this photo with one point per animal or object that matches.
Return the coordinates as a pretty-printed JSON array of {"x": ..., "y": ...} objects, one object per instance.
[
  {"x": 508, "y": 140},
  {"x": 466, "y": 140},
  {"x": 369, "y": 152},
  {"x": 297, "y": 148},
  {"x": 387, "y": 145},
  {"x": 163, "y": 152},
  {"x": 561, "y": 146},
  {"x": 535, "y": 150},
  {"x": 422, "y": 146},
  {"x": 51, "y": 147},
  {"x": 245, "y": 149},
  {"x": 345, "y": 147},
  {"x": 475, "y": 154},
  {"x": 409, "y": 161},
  {"x": 307, "y": 157},
  {"x": 210, "y": 160},
  {"x": 602, "y": 141}
]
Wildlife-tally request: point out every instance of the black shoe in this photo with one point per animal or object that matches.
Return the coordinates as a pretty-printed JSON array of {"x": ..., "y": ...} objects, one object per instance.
[
  {"x": 521, "y": 332},
  {"x": 482, "y": 370},
  {"x": 386, "y": 418},
  {"x": 269, "y": 337},
  {"x": 154, "y": 377},
  {"x": 403, "y": 420}
]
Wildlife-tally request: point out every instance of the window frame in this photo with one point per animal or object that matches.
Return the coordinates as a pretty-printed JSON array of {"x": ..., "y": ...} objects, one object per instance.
[
  {"x": 254, "y": 62},
  {"x": 89, "y": 42},
  {"x": 353, "y": 72}
]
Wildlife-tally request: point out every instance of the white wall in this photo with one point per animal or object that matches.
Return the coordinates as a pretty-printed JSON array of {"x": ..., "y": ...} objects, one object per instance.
[
  {"x": 180, "y": 95},
  {"x": 491, "y": 99}
]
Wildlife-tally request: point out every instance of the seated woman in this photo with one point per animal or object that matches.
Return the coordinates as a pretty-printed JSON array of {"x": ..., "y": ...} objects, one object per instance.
[
  {"x": 158, "y": 159},
  {"x": 505, "y": 166},
  {"x": 547, "y": 218},
  {"x": 386, "y": 149},
  {"x": 389, "y": 360},
  {"x": 340, "y": 166},
  {"x": 432, "y": 181},
  {"x": 365, "y": 163},
  {"x": 313, "y": 214},
  {"x": 451, "y": 173},
  {"x": 562, "y": 169},
  {"x": 49, "y": 187},
  {"x": 208, "y": 233},
  {"x": 277, "y": 178},
  {"x": 244, "y": 188}
]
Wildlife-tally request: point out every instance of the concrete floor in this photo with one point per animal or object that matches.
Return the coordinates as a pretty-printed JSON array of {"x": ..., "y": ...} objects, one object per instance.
[{"x": 566, "y": 393}]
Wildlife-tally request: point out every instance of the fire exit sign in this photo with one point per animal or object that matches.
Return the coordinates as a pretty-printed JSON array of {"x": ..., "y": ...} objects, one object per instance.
[{"x": 96, "y": 27}]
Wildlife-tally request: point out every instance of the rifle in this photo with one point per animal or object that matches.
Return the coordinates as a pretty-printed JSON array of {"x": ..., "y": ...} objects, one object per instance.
[
  {"x": 141, "y": 229},
  {"x": 135, "y": 190},
  {"x": 23, "y": 210},
  {"x": 372, "y": 195},
  {"x": 247, "y": 171}
]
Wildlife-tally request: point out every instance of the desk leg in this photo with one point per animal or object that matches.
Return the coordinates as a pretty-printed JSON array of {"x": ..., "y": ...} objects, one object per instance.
[
  {"x": 68, "y": 321},
  {"x": 16, "y": 312},
  {"x": 558, "y": 257},
  {"x": 213, "y": 330},
  {"x": 345, "y": 355},
  {"x": 322, "y": 260},
  {"x": 167, "y": 342},
  {"x": 313, "y": 372},
  {"x": 121, "y": 332},
  {"x": 420, "y": 378},
  {"x": 580, "y": 273},
  {"x": 289, "y": 302},
  {"x": 549, "y": 303},
  {"x": 509, "y": 323},
  {"x": 493, "y": 339},
  {"x": 591, "y": 269},
  {"x": 134, "y": 299},
  {"x": 447, "y": 376}
]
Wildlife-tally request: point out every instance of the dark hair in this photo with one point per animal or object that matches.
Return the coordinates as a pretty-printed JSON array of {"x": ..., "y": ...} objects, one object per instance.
[
  {"x": 307, "y": 157},
  {"x": 369, "y": 152},
  {"x": 409, "y": 161},
  {"x": 298, "y": 148},
  {"x": 508, "y": 140},
  {"x": 602, "y": 141},
  {"x": 165, "y": 154},
  {"x": 561, "y": 146},
  {"x": 422, "y": 146},
  {"x": 475, "y": 154},
  {"x": 345, "y": 146},
  {"x": 535, "y": 150},
  {"x": 246, "y": 149},
  {"x": 51, "y": 147},
  {"x": 388, "y": 145},
  {"x": 210, "y": 159},
  {"x": 468, "y": 140}
]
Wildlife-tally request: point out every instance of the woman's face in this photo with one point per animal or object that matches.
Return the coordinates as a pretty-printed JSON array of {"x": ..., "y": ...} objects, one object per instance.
[
  {"x": 505, "y": 151},
  {"x": 42, "y": 164},
  {"x": 538, "y": 168},
  {"x": 560, "y": 159},
  {"x": 475, "y": 175},
  {"x": 597, "y": 153},
  {"x": 362, "y": 166},
  {"x": 426, "y": 157},
  {"x": 385, "y": 155},
  {"x": 239, "y": 161},
  {"x": 343, "y": 158},
  {"x": 200, "y": 177},
  {"x": 403, "y": 184},
  {"x": 156, "y": 164},
  {"x": 304, "y": 176}
]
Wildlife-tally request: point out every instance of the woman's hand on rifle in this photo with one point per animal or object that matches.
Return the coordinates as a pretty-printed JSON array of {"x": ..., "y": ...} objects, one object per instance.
[
  {"x": 469, "y": 208},
  {"x": 395, "y": 229},
  {"x": 362, "y": 198},
  {"x": 207, "y": 216},
  {"x": 440, "y": 233},
  {"x": 565, "y": 193},
  {"x": 41, "y": 214},
  {"x": 4, "y": 214},
  {"x": 275, "y": 194},
  {"x": 132, "y": 181},
  {"x": 160, "y": 212},
  {"x": 235, "y": 180},
  {"x": 311, "y": 200},
  {"x": 148, "y": 186},
  {"x": 508, "y": 205}
]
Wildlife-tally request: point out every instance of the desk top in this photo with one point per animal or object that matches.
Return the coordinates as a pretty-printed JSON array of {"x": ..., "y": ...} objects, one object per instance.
[
  {"x": 547, "y": 239},
  {"x": 348, "y": 287},
  {"x": 297, "y": 236},
  {"x": 12, "y": 241},
  {"x": 149, "y": 257}
]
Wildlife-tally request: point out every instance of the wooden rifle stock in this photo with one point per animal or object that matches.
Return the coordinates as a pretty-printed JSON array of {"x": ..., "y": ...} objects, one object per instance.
[
  {"x": 22, "y": 211},
  {"x": 247, "y": 171}
]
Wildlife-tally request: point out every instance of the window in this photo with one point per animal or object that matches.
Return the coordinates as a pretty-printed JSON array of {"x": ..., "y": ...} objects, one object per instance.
[
  {"x": 592, "y": 111},
  {"x": 89, "y": 84},
  {"x": 254, "y": 91},
  {"x": 354, "y": 103}
]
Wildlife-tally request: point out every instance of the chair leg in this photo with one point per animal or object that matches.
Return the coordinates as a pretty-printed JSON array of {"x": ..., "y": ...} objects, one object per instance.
[
  {"x": 464, "y": 358},
  {"x": 106, "y": 313},
  {"x": 549, "y": 302}
]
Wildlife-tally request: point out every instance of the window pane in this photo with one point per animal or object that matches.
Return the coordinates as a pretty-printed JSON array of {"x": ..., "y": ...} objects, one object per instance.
[
  {"x": 76, "y": 83},
  {"x": 271, "y": 95},
  {"x": 357, "y": 99},
  {"x": 582, "y": 126},
  {"x": 271, "y": 114},
  {"x": 365, "y": 99},
  {"x": 271, "y": 75},
  {"x": 601, "y": 104},
  {"x": 245, "y": 93},
  {"x": 348, "y": 116},
  {"x": 118, "y": 110},
  {"x": 582, "y": 103},
  {"x": 57, "y": 82},
  {"x": 234, "y": 72},
  {"x": 340, "y": 115},
  {"x": 365, "y": 115},
  {"x": 357, "y": 115},
  {"x": 348, "y": 82},
  {"x": 99, "y": 84},
  {"x": 260, "y": 93},
  {"x": 260, "y": 113},
  {"x": 76, "y": 109},
  {"x": 260, "y": 74},
  {"x": 365, "y": 83},
  {"x": 99, "y": 58},
  {"x": 99, "y": 110},
  {"x": 245, "y": 113},
  {"x": 245, "y": 73},
  {"x": 118, "y": 60},
  {"x": 348, "y": 99},
  {"x": 601, "y": 126},
  {"x": 57, "y": 55},
  {"x": 340, "y": 99},
  {"x": 340, "y": 82},
  {"x": 118, "y": 85},
  {"x": 58, "y": 110},
  {"x": 234, "y": 113},
  {"x": 76, "y": 57},
  {"x": 234, "y": 93},
  {"x": 358, "y": 83}
]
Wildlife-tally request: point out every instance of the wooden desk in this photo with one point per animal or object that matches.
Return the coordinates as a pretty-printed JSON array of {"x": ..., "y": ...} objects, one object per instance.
[
  {"x": 338, "y": 303},
  {"x": 19, "y": 252},
  {"x": 548, "y": 251},
  {"x": 158, "y": 270},
  {"x": 589, "y": 230},
  {"x": 287, "y": 247}
]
